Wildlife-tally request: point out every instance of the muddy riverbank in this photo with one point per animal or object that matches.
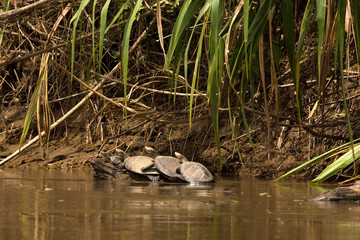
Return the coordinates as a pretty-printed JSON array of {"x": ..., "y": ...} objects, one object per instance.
[{"x": 72, "y": 143}]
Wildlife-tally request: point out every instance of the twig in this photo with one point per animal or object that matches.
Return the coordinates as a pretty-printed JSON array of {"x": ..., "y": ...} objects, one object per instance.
[
  {"x": 93, "y": 90},
  {"x": 148, "y": 89},
  {"x": 20, "y": 11},
  {"x": 33, "y": 54},
  {"x": 52, "y": 125}
]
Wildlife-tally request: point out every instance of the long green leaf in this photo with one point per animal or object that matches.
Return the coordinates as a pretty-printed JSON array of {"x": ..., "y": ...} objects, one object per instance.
[
  {"x": 320, "y": 17},
  {"x": 340, "y": 36},
  {"x": 322, "y": 157},
  {"x": 103, "y": 18},
  {"x": 216, "y": 47},
  {"x": 74, "y": 21},
  {"x": 289, "y": 31},
  {"x": 303, "y": 30},
  {"x": 32, "y": 107},
  {"x": 125, "y": 46},
  {"x": 123, "y": 5},
  {"x": 259, "y": 21},
  {"x": 196, "y": 67},
  {"x": 338, "y": 165},
  {"x": 202, "y": 12},
  {"x": 186, "y": 13}
]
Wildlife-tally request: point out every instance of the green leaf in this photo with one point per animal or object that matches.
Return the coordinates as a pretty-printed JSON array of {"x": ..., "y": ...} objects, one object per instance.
[
  {"x": 31, "y": 111},
  {"x": 289, "y": 31},
  {"x": 103, "y": 18},
  {"x": 125, "y": 45},
  {"x": 74, "y": 20},
  {"x": 303, "y": 30},
  {"x": 186, "y": 13},
  {"x": 322, "y": 157},
  {"x": 340, "y": 36},
  {"x": 338, "y": 165},
  {"x": 320, "y": 16},
  {"x": 216, "y": 52}
]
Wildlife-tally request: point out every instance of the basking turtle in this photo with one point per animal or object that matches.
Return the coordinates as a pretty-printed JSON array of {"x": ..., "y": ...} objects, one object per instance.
[
  {"x": 341, "y": 193},
  {"x": 116, "y": 160},
  {"x": 105, "y": 170},
  {"x": 139, "y": 167},
  {"x": 166, "y": 165},
  {"x": 193, "y": 172}
]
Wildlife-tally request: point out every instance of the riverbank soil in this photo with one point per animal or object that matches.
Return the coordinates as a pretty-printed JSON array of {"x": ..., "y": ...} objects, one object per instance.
[{"x": 85, "y": 133}]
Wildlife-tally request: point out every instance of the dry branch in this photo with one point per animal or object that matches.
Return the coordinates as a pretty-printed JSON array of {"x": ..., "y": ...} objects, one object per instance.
[
  {"x": 53, "y": 125},
  {"x": 26, "y": 9}
]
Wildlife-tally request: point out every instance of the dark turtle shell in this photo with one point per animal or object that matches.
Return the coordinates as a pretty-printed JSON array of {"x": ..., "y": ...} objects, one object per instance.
[
  {"x": 116, "y": 160},
  {"x": 167, "y": 166},
  {"x": 195, "y": 172},
  {"x": 137, "y": 164},
  {"x": 341, "y": 193}
]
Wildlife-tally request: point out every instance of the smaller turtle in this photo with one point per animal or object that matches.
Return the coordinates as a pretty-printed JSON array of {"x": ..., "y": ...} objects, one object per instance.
[
  {"x": 105, "y": 170},
  {"x": 140, "y": 167},
  {"x": 193, "y": 172},
  {"x": 116, "y": 160},
  {"x": 341, "y": 193},
  {"x": 166, "y": 165}
]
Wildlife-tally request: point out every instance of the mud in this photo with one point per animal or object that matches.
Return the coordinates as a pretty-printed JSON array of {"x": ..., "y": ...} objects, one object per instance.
[{"x": 72, "y": 144}]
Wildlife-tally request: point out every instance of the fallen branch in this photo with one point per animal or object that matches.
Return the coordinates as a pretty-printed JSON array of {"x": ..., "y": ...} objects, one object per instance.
[{"x": 26, "y": 9}]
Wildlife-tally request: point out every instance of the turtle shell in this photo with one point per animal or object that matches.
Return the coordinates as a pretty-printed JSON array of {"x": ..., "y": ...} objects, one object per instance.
[
  {"x": 167, "y": 166},
  {"x": 341, "y": 193},
  {"x": 195, "y": 172},
  {"x": 136, "y": 164}
]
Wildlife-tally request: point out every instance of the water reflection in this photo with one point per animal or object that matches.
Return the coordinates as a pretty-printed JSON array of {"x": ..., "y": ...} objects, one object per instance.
[{"x": 72, "y": 205}]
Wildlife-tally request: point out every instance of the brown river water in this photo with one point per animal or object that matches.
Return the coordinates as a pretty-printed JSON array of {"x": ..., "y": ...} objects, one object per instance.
[{"x": 72, "y": 205}]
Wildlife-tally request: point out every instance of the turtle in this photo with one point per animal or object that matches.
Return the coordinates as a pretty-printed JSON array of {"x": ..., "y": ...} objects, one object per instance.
[
  {"x": 166, "y": 165},
  {"x": 139, "y": 167},
  {"x": 116, "y": 160},
  {"x": 193, "y": 172},
  {"x": 341, "y": 193},
  {"x": 105, "y": 170}
]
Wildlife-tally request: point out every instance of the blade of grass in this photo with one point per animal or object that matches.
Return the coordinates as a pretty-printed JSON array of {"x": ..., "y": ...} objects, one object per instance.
[
  {"x": 125, "y": 46},
  {"x": 320, "y": 17},
  {"x": 340, "y": 35},
  {"x": 186, "y": 13},
  {"x": 303, "y": 30},
  {"x": 288, "y": 30},
  {"x": 74, "y": 21},
  {"x": 323, "y": 156},
  {"x": 31, "y": 111},
  {"x": 216, "y": 49},
  {"x": 103, "y": 18},
  {"x": 198, "y": 55},
  {"x": 338, "y": 165}
]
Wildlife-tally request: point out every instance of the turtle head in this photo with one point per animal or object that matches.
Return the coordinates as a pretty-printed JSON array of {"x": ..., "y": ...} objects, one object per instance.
[
  {"x": 122, "y": 154},
  {"x": 151, "y": 151},
  {"x": 181, "y": 157},
  {"x": 107, "y": 157}
]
